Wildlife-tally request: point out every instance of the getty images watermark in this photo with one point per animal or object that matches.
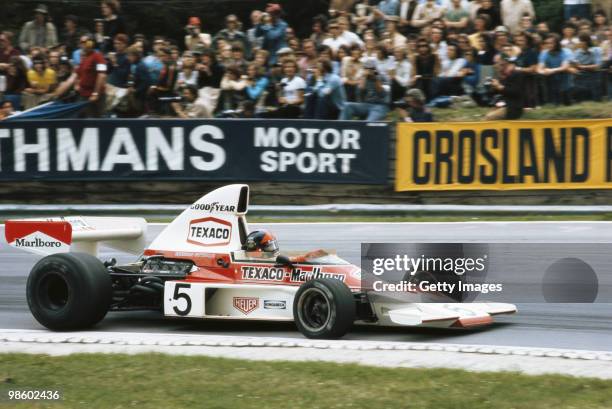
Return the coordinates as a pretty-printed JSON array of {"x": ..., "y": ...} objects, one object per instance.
[{"x": 495, "y": 272}]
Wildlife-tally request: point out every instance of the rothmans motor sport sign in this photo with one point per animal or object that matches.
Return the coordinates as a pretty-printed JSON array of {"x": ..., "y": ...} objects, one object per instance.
[{"x": 280, "y": 150}]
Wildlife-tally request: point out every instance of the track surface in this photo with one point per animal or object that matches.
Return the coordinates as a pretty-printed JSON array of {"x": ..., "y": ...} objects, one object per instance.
[{"x": 574, "y": 326}]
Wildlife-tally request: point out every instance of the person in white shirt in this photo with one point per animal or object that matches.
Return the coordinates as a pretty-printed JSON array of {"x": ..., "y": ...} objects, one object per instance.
[
  {"x": 401, "y": 76},
  {"x": 334, "y": 41},
  {"x": 350, "y": 37},
  {"x": 291, "y": 92},
  {"x": 512, "y": 11},
  {"x": 451, "y": 73},
  {"x": 397, "y": 40},
  {"x": 427, "y": 12}
]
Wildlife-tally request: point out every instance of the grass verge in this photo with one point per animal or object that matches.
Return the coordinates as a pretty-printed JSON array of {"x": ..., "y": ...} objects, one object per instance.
[
  {"x": 585, "y": 110},
  {"x": 164, "y": 381}
]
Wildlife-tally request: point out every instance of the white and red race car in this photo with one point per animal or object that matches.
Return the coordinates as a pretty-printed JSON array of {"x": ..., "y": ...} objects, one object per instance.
[{"x": 197, "y": 268}]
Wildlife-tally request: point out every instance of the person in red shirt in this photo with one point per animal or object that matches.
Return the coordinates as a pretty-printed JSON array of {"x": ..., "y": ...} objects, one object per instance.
[{"x": 91, "y": 78}]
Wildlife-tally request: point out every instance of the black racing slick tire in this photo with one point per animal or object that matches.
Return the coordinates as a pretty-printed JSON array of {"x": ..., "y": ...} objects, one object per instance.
[
  {"x": 324, "y": 308},
  {"x": 68, "y": 291}
]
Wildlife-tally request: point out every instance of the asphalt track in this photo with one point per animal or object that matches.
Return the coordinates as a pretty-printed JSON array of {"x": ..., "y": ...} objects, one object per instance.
[{"x": 572, "y": 326}]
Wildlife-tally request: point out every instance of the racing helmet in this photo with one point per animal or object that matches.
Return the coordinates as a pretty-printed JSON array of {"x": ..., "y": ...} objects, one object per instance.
[{"x": 261, "y": 240}]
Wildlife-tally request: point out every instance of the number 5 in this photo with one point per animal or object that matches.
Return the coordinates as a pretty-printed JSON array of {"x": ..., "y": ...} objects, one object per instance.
[{"x": 178, "y": 295}]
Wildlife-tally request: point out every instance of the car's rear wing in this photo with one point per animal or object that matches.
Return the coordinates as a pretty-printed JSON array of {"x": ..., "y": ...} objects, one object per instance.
[{"x": 82, "y": 234}]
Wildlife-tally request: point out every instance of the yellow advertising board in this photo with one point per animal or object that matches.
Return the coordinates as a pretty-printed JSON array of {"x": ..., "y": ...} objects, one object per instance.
[{"x": 504, "y": 155}]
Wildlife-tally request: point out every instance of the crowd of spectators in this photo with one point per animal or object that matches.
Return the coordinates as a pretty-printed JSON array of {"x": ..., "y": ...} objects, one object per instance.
[{"x": 362, "y": 60}]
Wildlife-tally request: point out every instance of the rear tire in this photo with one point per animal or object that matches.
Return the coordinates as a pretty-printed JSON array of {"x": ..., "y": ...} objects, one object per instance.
[
  {"x": 68, "y": 291},
  {"x": 324, "y": 308}
]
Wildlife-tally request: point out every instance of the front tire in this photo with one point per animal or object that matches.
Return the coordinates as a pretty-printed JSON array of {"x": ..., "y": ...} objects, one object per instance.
[
  {"x": 324, "y": 308},
  {"x": 68, "y": 291}
]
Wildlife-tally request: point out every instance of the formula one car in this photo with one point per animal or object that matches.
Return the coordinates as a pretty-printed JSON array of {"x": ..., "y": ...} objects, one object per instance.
[{"x": 202, "y": 266}]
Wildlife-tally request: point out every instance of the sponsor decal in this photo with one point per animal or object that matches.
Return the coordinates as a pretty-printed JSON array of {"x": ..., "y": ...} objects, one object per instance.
[
  {"x": 298, "y": 275},
  {"x": 209, "y": 231},
  {"x": 262, "y": 273},
  {"x": 37, "y": 242},
  {"x": 246, "y": 305},
  {"x": 275, "y": 304},
  {"x": 213, "y": 207}
]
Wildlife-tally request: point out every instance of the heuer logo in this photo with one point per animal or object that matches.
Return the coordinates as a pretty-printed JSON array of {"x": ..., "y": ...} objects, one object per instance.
[
  {"x": 209, "y": 231},
  {"x": 246, "y": 305},
  {"x": 37, "y": 242}
]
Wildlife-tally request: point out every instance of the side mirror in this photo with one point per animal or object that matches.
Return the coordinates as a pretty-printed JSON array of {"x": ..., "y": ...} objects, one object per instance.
[{"x": 283, "y": 261}]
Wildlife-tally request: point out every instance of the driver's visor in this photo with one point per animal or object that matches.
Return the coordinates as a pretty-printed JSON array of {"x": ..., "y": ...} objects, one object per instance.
[{"x": 271, "y": 246}]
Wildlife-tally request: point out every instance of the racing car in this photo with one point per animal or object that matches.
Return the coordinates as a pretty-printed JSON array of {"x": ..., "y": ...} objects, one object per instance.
[{"x": 207, "y": 264}]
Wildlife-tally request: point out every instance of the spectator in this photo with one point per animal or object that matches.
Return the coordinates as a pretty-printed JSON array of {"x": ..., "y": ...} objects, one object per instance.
[
  {"x": 163, "y": 91},
  {"x": 438, "y": 45},
  {"x": 351, "y": 71},
  {"x": 66, "y": 78},
  {"x": 188, "y": 75},
  {"x": 397, "y": 39},
  {"x": 456, "y": 17},
  {"x": 6, "y": 109},
  {"x": 350, "y": 38},
  {"x": 334, "y": 40},
  {"x": 600, "y": 21},
  {"x": 502, "y": 40},
  {"x": 512, "y": 12},
  {"x": 71, "y": 33},
  {"x": 100, "y": 38},
  {"x": 137, "y": 85},
  {"x": 195, "y": 38},
  {"x": 237, "y": 57},
  {"x": 38, "y": 32},
  {"x": 41, "y": 81},
  {"x": 373, "y": 96},
  {"x": 401, "y": 75},
  {"x": 118, "y": 63},
  {"x": 553, "y": 63},
  {"x": 118, "y": 72},
  {"x": 91, "y": 78},
  {"x": 233, "y": 35},
  {"x": 488, "y": 8},
  {"x": 427, "y": 66},
  {"x": 527, "y": 63},
  {"x": 385, "y": 63},
  {"x": 308, "y": 62},
  {"x": 319, "y": 30},
  {"x": 256, "y": 83},
  {"x": 481, "y": 23},
  {"x": 232, "y": 90},
  {"x": 190, "y": 106},
  {"x": 412, "y": 108},
  {"x": 586, "y": 63},
  {"x": 7, "y": 51},
  {"x": 405, "y": 14},
  {"x": 384, "y": 10},
  {"x": 273, "y": 30},
  {"x": 449, "y": 80},
  {"x": 576, "y": 8},
  {"x": 291, "y": 93},
  {"x": 255, "y": 40},
  {"x": 16, "y": 80},
  {"x": 569, "y": 40},
  {"x": 153, "y": 62},
  {"x": 113, "y": 22},
  {"x": 325, "y": 93},
  {"x": 426, "y": 12},
  {"x": 510, "y": 86}
]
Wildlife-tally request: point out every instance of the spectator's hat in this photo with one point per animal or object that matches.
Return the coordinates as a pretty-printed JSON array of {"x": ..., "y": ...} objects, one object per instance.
[
  {"x": 416, "y": 94},
  {"x": 501, "y": 29},
  {"x": 194, "y": 21},
  {"x": 273, "y": 8},
  {"x": 369, "y": 64},
  {"x": 41, "y": 8},
  {"x": 284, "y": 50}
]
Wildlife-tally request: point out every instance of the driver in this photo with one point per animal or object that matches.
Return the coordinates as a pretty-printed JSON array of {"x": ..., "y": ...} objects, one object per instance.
[{"x": 262, "y": 241}]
